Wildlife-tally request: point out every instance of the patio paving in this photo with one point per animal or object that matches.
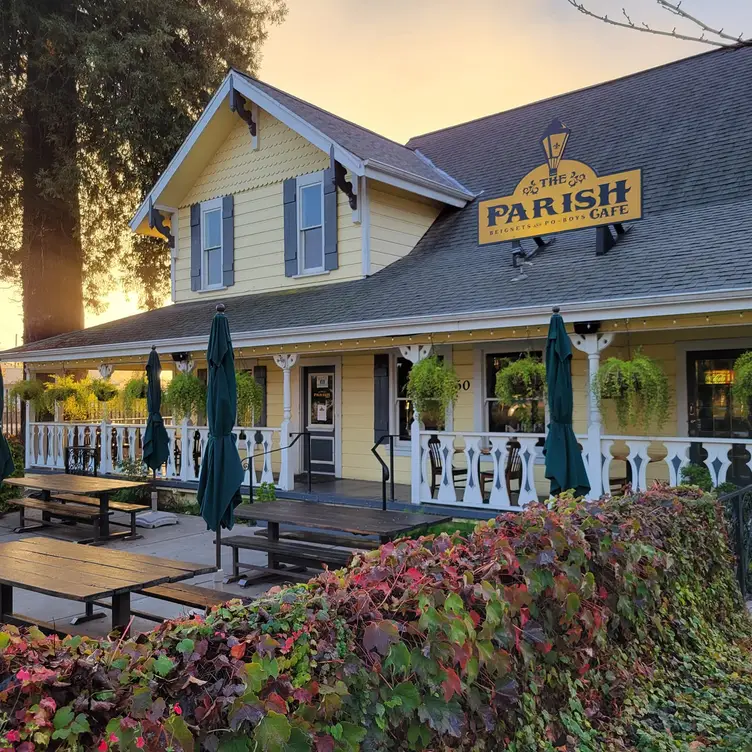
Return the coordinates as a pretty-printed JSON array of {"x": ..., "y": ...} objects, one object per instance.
[{"x": 189, "y": 540}]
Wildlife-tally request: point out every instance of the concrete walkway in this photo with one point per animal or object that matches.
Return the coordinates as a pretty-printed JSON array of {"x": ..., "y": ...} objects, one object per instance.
[{"x": 189, "y": 541}]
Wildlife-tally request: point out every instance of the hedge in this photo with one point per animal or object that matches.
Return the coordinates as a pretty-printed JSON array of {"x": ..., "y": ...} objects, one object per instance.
[{"x": 555, "y": 629}]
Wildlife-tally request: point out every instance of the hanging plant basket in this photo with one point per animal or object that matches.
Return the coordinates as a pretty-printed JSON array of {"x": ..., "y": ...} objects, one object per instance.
[
  {"x": 638, "y": 389},
  {"x": 134, "y": 389},
  {"x": 432, "y": 386},
  {"x": 29, "y": 390},
  {"x": 60, "y": 389},
  {"x": 250, "y": 398},
  {"x": 741, "y": 389},
  {"x": 185, "y": 395},
  {"x": 104, "y": 390},
  {"x": 521, "y": 380}
]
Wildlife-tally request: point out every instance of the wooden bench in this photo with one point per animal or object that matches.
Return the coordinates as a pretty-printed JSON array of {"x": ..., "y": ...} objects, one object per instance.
[
  {"x": 346, "y": 541},
  {"x": 114, "y": 506},
  {"x": 291, "y": 552},
  {"x": 49, "y": 509}
]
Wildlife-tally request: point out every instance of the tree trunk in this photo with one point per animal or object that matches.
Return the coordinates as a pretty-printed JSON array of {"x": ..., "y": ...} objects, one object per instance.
[{"x": 52, "y": 260}]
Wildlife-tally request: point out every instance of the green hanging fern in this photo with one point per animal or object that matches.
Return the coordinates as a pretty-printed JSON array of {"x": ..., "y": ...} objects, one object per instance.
[
  {"x": 639, "y": 390},
  {"x": 250, "y": 398},
  {"x": 185, "y": 395},
  {"x": 432, "y": 386},
  {"x": 134, "y": 389},
  {"x": 742, "y": 387},
  {"x": 29, "y": 390},
  {"x": 104, "y": 390},
  {"x": 521, "y": 380}
]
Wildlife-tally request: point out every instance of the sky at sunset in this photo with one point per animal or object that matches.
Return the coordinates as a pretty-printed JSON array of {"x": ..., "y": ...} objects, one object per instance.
[{"x": 405, "y": 67}]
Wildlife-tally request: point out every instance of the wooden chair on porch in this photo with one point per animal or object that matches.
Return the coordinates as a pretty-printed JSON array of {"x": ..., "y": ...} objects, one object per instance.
[
  {"x": 512, "y": 471},
  {"x": 81, "y": 460},
  {"x": 434, "y": 454}
]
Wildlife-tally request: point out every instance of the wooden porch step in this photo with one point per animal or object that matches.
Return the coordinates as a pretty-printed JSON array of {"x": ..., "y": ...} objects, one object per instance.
[
  {"x": 292, "y": 551},
  {"x": 93, "y": 501},
  {"x": 63, "y": 511}
]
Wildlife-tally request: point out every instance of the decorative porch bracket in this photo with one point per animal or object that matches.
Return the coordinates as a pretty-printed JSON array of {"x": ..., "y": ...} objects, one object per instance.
[
  {"x": 286, "y": 474},
  {"x": 415, "y": 353},
  {"x": 592, "y": 345},
  {"x": 185, "y": 366},
  {"x": 157, "y": 222},
  {"x": 340, "y": 180}
]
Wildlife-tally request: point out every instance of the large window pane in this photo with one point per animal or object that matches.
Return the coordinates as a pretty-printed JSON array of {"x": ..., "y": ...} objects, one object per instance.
[
  {"x": 313, "y": 249},
  {"x": 214, "y": 267},
  {"x": 310, "y": 209},
  {"x": 405, "y": 410},
  {"x": 212, "y": 229},
  {"x": 527, "y": 417}
]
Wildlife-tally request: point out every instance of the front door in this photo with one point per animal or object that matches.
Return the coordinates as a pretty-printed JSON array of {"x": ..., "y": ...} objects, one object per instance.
[
  {"x": 712, "y": 410},
  {"x": 319, "y": 414}
]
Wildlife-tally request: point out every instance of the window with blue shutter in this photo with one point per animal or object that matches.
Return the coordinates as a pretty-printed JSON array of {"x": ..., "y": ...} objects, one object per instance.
[{"x": 213, "y": 244}]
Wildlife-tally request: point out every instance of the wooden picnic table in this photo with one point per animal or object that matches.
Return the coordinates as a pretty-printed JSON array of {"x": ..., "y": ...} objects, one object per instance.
[
  {"x": 83, "y": 485},
  {"x": 82, "y": 573},
  {"x": 331, "y": 518}
]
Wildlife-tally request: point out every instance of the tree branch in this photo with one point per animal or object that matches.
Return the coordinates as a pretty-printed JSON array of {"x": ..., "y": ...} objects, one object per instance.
[{"x": 723, "y": 40}]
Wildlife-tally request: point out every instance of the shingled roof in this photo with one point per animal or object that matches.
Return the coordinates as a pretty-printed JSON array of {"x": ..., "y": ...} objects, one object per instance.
[{"x": 685, "y": 124}]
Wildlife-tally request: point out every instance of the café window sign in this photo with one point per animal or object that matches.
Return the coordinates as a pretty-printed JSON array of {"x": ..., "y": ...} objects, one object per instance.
[{"x": 560, "y": 195}]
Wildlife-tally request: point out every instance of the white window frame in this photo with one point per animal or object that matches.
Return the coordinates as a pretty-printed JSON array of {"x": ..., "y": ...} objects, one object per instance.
[
  {"x": 304, "y": 181},
  {"x": 206, "y": 207},
  {"x": 402, "y": 446}
]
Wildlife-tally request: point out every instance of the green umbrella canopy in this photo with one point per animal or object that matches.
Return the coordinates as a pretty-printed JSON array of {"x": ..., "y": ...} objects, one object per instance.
[
  {"x": 564, "y": 466},
  {"x": 6, "y": 460},
  {"x": 156, "y": 441},
  {"x": 221, "y": 469}
]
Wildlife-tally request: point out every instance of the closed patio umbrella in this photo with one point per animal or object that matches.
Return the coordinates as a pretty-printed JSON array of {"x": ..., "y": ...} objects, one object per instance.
[
  {"x": 564, "y": 466},
  {"x": 156, "y": 441},
  {"x": 6, "y": 460},
  {"x": 221, "y": 469}
]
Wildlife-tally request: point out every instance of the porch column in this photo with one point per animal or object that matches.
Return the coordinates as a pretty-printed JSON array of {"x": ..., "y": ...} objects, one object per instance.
[
  {"x": 592, "y": 344},
  {"x": 415, "y": 353},
  {"x": 106, "y": 464},
  {"x": 286, "y": 476}
]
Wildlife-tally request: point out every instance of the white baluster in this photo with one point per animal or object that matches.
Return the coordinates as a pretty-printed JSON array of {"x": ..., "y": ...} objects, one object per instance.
[
  {"x": 499, "y": 492},
  {"x": 447, "y": 493},
  {"x": 266, "y": 466},
  {"x": 606, "y": 459},
  {"x": 425, "y": 469},
  {"x": 638, "y": 459},
  {"x": 60, "y": 446},
  {"x": 717, "y": 461},
  {"x": 677, "y": 458},
  {"x": 528, "y": 494},
  {"x": 473, "y": 491}
]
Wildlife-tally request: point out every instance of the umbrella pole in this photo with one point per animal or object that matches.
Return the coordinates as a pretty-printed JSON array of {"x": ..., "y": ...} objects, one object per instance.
[
  {"x": 154, "y": 495},
  {"x": 219, "y": 547}
]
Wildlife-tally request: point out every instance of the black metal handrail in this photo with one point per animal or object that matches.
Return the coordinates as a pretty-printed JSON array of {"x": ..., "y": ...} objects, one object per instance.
[
  {"x": 738, "y": 506},
  {"x": 258, "y": 439},
  {"x": 387, "y": 472}
]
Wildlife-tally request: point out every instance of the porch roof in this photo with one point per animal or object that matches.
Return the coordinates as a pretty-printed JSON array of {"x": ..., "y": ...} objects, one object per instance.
[{"x": 684, "y": 124}]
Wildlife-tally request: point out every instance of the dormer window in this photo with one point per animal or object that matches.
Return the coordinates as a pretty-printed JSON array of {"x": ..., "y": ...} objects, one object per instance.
[
  {"x": 311, "y": 223},
  {"x": 211, "y": 251}
]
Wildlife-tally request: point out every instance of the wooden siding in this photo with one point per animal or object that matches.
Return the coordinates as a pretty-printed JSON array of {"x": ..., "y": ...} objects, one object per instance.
[{"x": 398, "y": 221}]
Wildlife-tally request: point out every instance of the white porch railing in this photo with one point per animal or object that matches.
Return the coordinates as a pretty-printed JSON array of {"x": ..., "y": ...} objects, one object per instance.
[
  {"x": 122, "y": 443},
  {"x": 483, "y": 457}
]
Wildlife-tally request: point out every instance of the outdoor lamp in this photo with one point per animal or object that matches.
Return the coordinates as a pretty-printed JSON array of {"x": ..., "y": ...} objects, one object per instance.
[{"x": 554, "y": 141}]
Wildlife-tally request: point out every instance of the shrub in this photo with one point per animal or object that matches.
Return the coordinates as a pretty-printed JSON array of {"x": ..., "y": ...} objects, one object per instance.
[
  {"x": 265, "y": 492},
  {"x": 134, "y": 470},
  {"x": 742, "y": 386},
  {"x": 19, "y": 461},
  {"x": 133, "y": 391},
  {"x": 561, "y": 629}
]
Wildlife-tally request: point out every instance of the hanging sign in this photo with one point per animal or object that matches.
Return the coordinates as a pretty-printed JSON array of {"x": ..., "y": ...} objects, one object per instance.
[{"x": 560, "y": 195}]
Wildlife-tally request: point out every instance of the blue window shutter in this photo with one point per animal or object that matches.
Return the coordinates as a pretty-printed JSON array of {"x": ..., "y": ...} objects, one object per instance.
[
  {"x": 195, "y": 247},
  {"x": 330, "y": 220},
  {"x": 380, "y": 396},
  {"x": 228, "y": 241},
  {"x": 289, "y": 196}
]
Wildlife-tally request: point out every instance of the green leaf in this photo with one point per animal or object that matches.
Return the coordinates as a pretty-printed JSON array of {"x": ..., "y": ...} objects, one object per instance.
[
  {"x": 299, "y": 741},
  {"x": 63, "y": 717},
  {"x": 572, "y": 604},
  {"x": 176, "y": 726},
  {"x": 81, "y": 725},
  {"x": 351, "y": 736},
  {"x": 453, "y": 604},
  {"x": 185, "y": 646},
  {"x": 408, "y": 695},
  {"x": 398, "y": 659},
  {"x": 233, "y": 743},
  {"x": 273, "y": 733},
  {"x": 4, "y": 640},
  {"x": 485, "y": 650},
  {"x": 163, "y": 665}
]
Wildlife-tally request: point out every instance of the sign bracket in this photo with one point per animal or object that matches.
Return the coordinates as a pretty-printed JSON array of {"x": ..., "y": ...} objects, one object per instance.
[
  {"x": 520, "y": 255},
  {"x": 605, "y": 240}
]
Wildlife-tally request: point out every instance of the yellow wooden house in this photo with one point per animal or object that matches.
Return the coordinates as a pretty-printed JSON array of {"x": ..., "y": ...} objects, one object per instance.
[{"x": 343, "y": 258}]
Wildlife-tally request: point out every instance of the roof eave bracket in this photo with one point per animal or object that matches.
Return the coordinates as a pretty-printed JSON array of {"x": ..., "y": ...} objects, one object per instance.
[
  {"x": 157, "y": 222},
  {"x": 605, "y": 240},
  {"x": 340, "y": 180},
  {"x": 237, "y": 104}
]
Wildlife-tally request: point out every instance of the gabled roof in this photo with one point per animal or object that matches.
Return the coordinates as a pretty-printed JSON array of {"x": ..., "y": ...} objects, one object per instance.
[{"x": 360, "y": 150}]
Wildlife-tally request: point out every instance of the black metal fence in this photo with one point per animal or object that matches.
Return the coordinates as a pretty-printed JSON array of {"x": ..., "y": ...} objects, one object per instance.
[
  {"x": 12, "y": 420},
  {"x": 738, "y": 506}
]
